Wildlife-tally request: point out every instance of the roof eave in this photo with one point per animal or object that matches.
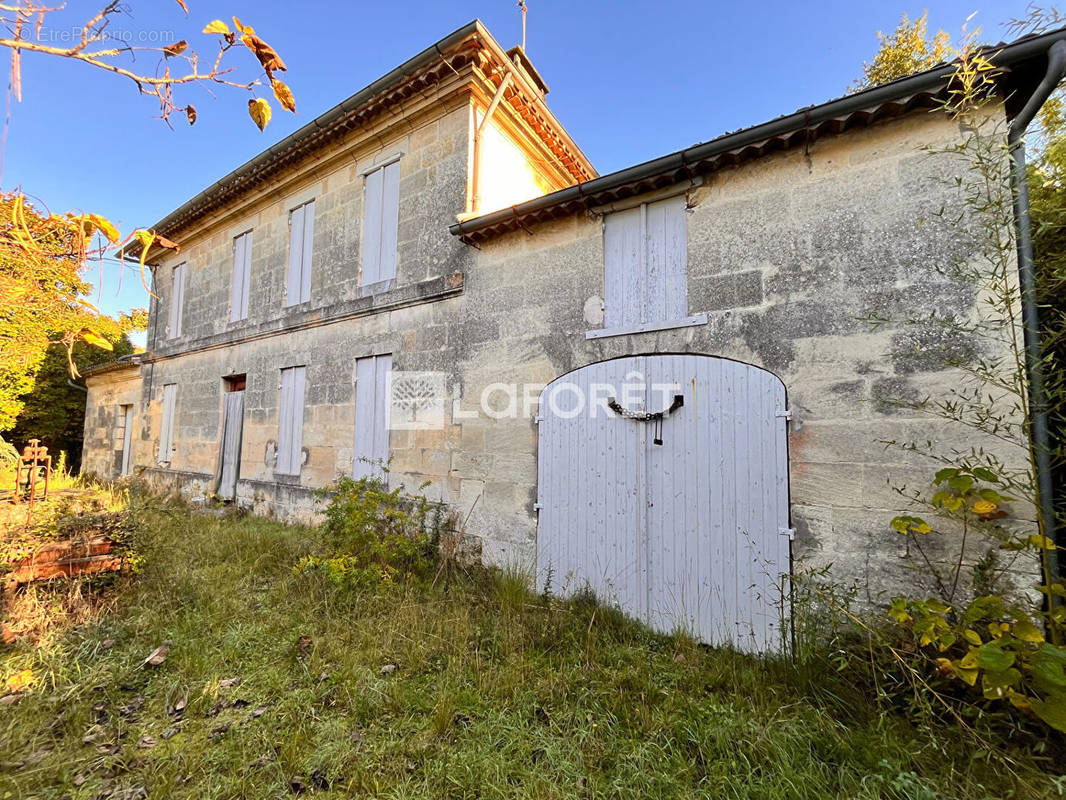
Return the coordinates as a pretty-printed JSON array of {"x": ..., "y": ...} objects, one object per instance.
[{"x": 687, "y": 162}]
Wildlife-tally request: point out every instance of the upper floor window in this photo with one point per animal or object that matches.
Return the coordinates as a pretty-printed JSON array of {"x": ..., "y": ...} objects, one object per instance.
[
  {"x": 177, "y": 300},
  {"x": 645, "y": 255},
  {"x": 301, "y": 233},
  {"x": 242, "y": 273},
  {"x": 381, "y": 223}
]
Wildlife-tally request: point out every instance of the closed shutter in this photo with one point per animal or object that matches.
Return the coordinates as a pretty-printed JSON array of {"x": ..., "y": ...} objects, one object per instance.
[
  {"x": 645, "y": 264},
  {"x": 290, "y": 420},
  {"x": 373, "y": 379},
  {"x": 242, "y": 269},
  {"x": 381, "y": 224},
  {"x": 301, "y": 235},
  {"x": 306, "y": 251},
  {"x": 177, "y": 301},
  {"x": 390, "y": 220},
  {"x": 623, "y": 265},
  {"x": 166, "y": 433}
]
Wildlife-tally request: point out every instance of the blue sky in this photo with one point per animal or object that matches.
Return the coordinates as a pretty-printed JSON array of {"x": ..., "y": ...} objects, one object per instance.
[{"x": 629, "y": 80}]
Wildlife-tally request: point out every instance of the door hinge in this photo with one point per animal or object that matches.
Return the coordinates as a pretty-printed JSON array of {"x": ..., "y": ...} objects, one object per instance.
[
  {"x": 537, "y": 506},
  {"x": 537, "y": 420},
  {"x": 790, "y": 533},
  {"x": 785, "y": 414}
]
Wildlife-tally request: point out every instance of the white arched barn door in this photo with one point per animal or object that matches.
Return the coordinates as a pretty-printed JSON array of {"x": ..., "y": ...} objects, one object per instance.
[{"x": 663, "y": 487}]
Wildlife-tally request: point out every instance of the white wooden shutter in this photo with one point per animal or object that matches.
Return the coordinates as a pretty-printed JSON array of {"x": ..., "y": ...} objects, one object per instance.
[
  {"x": 177, "y": 300},
  {"x": 390, "y": 219},
  {"x": 623, "y": 264},
  {"x": 381, "y": 223},
  {"x": 290, "y": 420},
  {"x": 306, "y": 251},
  {"x": 645, "y": 264},
  {"x": 294, "y": 279},
  {"x": 668, "y": 258},
  {"x": 373, "y": 379},
  {"x": 166, "y": 432},
  {"x": 372, "y": 227},
  {"x": 242, "y": 269}
]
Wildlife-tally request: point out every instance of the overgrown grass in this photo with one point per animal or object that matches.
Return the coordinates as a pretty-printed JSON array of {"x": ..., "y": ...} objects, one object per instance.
[{"x": 495, "y": 693}]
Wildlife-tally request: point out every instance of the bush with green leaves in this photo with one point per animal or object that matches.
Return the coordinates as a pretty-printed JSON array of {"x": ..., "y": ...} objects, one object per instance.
[
  {"x": 376, "y": 535},
  {"x": 989, "y": 643}
]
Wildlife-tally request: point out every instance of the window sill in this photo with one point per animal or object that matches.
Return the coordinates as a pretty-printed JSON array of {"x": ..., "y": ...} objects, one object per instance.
[{"x": 648, "y": 327}]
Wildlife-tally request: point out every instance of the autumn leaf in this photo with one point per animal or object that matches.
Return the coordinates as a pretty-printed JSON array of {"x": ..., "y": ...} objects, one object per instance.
[
  {"x": 20, "y": 681},
  {"x": 95, "y": 339},
  {"x": 216, "y": 26},
  {"x": 284, "y": 95},
  {"x": 190, "y": 112},
  {"x": 266, "y": 54},
  {"x": 175, "y": 49},
  {"x": 259, "y": 111},
  {"x": 184, "y": 7},
  {"x": 243, "y": 28},
  {"x": 105, "y": 226},
  {"x": 157, "y": 656}
]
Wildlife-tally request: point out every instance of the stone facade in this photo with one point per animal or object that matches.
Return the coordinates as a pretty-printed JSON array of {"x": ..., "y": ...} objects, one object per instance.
[
  {"x": 110, "y": 389},
  {"x": 785, "y": 252}
]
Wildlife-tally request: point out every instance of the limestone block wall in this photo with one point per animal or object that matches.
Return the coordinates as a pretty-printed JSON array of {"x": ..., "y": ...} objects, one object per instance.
[
  {"x": 107, "y": 392},
  {"x": 433, "y": 170},
  {"x": 785, "y": 254}
]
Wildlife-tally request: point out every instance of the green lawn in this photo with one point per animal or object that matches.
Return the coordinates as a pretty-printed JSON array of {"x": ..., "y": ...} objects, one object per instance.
[{"x": 495, "y": 693}]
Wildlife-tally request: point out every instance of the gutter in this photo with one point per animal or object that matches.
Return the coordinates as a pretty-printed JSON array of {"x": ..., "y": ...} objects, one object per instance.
[
  {"x": 686, "y": 161},
  {"x": 1039, "y": 438}
]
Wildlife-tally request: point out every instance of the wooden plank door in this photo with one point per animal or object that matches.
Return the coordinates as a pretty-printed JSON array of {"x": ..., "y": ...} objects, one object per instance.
[{"x": 679, "y": 520}]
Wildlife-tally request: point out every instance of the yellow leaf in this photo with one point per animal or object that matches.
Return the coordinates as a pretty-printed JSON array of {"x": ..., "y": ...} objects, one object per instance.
[
  {"x": 284, "y": 95},
  {"x": 259, "y": 111},
  {"x": 967, "y": 675},
  {"x": 973, "y": 637},
  {"x": 20, "y": 681},
  {"x": 1027, "y": 632},
  {"x": 95, "y": 339},
  {"x": 105, "y": 226},
  {"x": 216, "y": 26},
  {"x": 984, "y": 507},
  {"x": 1019, "y": 701}
]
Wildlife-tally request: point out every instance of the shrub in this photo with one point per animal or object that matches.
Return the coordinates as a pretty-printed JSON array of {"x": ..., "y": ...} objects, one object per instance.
[{"x": 376, "y": 535}]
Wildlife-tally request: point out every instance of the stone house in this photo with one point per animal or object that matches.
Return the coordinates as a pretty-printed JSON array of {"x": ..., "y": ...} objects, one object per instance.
[{"x": 409, "y": 276}]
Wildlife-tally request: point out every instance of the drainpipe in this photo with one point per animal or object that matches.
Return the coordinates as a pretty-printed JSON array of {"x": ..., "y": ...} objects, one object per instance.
[
  {"x": 1038, "y": 403},
  {"x": 475, "y": 203}
]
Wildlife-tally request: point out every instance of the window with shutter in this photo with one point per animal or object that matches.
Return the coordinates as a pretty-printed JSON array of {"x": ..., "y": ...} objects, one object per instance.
[
  {"x": 291, "y": 420},
  {"x": 301, "y": 234},
  {"x": 373, "y": 378},
  {"x": 242, "y": 270},
  {"x": 645, "y": 254},
  {"x": 381, "y": 224},
  {"x": 177, "y": 301},
  {"x": 166, "y": 432}
]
